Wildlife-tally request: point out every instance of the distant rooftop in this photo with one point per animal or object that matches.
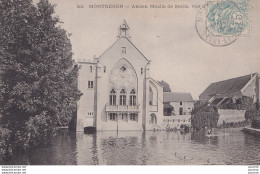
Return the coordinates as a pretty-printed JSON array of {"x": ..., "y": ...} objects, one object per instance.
[
  {"x": 227, "y": 86},
  {"x": 177, "y": 97}
]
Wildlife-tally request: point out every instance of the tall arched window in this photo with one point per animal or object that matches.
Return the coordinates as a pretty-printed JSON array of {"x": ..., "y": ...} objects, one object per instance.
[
  {"x": 122, "y": 97},
  {"x": 132, "y": 97},
  {"x": 112, "y": 97},
  {"x": 150, "y": 96}
]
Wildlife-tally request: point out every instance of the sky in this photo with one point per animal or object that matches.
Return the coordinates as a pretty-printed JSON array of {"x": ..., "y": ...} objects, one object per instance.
[{"x": 167, "y": 37}]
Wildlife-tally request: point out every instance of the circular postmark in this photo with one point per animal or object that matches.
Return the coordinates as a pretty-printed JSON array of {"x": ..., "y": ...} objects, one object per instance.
[{"x": 220, "y": 23}]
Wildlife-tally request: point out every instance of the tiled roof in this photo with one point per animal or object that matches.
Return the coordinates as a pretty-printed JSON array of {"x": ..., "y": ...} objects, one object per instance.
[
  {"x": 167, "y": 105},
  {"x": 226, "y": 86},
  {"x": 176, "y": 97}
]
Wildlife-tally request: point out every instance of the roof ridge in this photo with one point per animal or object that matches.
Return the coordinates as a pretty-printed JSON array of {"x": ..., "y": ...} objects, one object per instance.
[
  {"x": 227, "y": 86},
  {"x": 182, "y": 92},
  {"x": 179, "y": 92},
  {"x": 137, "y": 49},
  {"x": 156, "y": 81},
  {"x": 233, "y": 78},
  {"x": 130, "y": 42},
  {"x": 177, "y": 97},
  {"x": 108, "y": 48}
]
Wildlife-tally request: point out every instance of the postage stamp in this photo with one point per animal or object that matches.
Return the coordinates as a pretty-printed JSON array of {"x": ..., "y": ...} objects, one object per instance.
[
  {"x": 228, "y": 18},
  {"x": 220, "y": 23}
]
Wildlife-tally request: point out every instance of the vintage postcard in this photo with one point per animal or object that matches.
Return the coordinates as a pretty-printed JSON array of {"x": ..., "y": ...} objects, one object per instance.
[{"x": 129, "y": 82}]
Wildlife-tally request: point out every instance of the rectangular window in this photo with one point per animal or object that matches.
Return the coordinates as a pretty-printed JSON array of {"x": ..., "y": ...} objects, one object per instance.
[
  {"x": 124, "y": 50},
  {"x": 91, "y": 69},
  {"x": 112, "y": 100},
  {"x": 124, "y": 117},
  {"x": 142, "y": 70},
  {"x": 113, "y": 116},
  {"x": 133, "y": 100},
  {"x": 133, "y": 117},
  {"x": 90, "y": 84},
  {"x": 122, "y": 100},
  {"x": 181, "y": 111},
  {"x": 180, "y": 103},
  {"x": 104, "y": 69}
]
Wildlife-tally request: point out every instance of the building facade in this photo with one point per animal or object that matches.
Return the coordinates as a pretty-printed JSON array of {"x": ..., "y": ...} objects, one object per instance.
[
  {"x": 118, "y": 92},
  {"x": 177, "y": 103},
  {"x": 232, "y": 90}
]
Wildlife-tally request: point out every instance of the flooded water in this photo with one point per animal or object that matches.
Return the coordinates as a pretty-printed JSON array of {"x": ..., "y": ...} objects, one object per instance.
[{"x": 145, "y": 148}]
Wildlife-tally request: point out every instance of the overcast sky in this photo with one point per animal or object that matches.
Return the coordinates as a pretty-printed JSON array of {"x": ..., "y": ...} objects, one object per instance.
[{"x": 167, "y": 37}]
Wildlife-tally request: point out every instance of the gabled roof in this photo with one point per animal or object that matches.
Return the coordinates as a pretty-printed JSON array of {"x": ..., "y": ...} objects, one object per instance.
[
  {"x": 124, "y": 24},
  {"x": 130, "y": 43},
  {"x": 176, "y": 97},
  {"x": 155, "y": 81},
  {"x": 227, "y": 86}
]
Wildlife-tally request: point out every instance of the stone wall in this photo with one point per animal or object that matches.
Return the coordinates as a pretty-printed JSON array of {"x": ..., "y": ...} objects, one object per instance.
[
  {"x": 177, "y": 121},
  {"x": 229, "y": 116}
]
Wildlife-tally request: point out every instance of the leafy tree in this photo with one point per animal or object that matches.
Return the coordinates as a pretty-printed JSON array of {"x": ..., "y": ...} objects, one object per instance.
[
  {"x": 166, "y": 86},
  {"x": 204, "y": 116},
  {"x": 244, "y": 103},
  {"x": 38, "y": 74},
  {"x": 201, "y": 120},
  {"x": 202, "y": 107}
]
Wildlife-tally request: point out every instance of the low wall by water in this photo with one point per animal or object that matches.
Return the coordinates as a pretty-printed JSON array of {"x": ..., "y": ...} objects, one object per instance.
[
  {"x": 177, "y": 121},
  {"x": 252, "y": 131},
  {"x": 229, "y": 116}
]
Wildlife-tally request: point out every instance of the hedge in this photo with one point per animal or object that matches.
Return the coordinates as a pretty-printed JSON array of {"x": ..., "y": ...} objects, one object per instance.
[
  {"x": 201, "y": 120},
  {"x": 256, "y": 123},
  {"x": 252, "y": 114}
]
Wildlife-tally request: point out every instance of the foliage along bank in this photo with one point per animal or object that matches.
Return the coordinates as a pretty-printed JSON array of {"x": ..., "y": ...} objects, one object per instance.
[
  {"x": 38, "y": 75},
  {"x": 204, "y": 116}
]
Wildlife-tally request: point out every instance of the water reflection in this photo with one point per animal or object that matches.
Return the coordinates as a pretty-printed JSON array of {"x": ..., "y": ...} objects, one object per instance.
[
  {"x": 145, "y": 148},
  {"x": 203, "y": 138}
]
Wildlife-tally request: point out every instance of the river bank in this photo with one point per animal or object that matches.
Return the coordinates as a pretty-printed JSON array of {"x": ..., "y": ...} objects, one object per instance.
[{"x": 233, "y": 147}]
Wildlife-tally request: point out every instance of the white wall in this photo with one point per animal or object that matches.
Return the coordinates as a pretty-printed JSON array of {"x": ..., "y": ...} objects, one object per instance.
[
  {"x": 229, "y": 116},
  {"x": 85, "y": 111},
  {"x": 250, "y": 90},
  {"x": 185, "y": 106},
  {"x": 157, "y": 105},
  {"x": 109, "y": 59},
  {"x": 95, "y": 100}
]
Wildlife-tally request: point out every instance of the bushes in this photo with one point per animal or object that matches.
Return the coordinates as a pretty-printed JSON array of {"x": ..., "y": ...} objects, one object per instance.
[
  {"x": 207, "y": 116},
  {"x": 37, "y": 131},
  {"x": 201, "y": 120},
  {"x": 202, "y": 107},
  {"x": 40, "y": 131},
  {"x": 5, "y": 135},
  {"x": 256, "y": 123},
  {"x": 204, "y": 116},
  {"x": 73, "y": 122},
  {"x": 234, "y": 124},
  {"x": 38, "y": 77},
  {"x": 244, "y": 103},
  {"x": 251, "y": 114}
]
